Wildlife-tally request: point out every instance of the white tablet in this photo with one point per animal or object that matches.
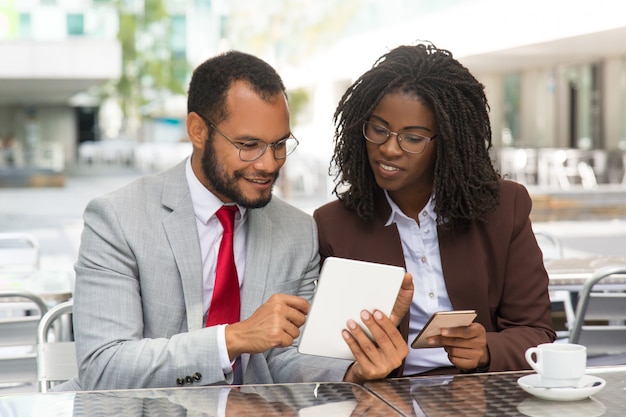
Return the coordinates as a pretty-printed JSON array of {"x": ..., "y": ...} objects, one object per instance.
[{"x": 345, "y": 288}]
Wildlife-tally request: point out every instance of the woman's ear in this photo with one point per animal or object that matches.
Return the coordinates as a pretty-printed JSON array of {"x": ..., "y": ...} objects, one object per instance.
[{"x": 196, "y": 130}]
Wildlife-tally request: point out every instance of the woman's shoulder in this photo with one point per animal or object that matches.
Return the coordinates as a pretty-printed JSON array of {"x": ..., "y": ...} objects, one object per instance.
[
  {"x": 331, "y": 208},
  {"x": 335, "y": 211},
  {"x": 514, "y": 199},
  {"x": 512, "y": 189}
]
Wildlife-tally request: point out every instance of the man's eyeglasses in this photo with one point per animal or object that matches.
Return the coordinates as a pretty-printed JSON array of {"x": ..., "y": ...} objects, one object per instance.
[
  {"x": 251, "y": 150},
  {"x": 409, "y": 142}
]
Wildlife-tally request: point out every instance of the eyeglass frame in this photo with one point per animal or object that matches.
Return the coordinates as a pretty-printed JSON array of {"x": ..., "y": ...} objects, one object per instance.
[
  {"x": 264, "y": 145},
  {"x": 398, "y": 137}
]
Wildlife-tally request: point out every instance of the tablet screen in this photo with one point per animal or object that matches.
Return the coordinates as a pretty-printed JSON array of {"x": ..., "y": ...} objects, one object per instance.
[{"x": 345, "y": 288}]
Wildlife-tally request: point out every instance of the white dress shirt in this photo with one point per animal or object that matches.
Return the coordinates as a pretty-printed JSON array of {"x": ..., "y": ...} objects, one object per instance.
[
  {"x": 210, "y": 231},
  {"x": 420, "y": 245}
]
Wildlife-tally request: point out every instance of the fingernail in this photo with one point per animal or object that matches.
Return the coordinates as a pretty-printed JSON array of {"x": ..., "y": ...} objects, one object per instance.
[
  {"x": 365, "y": 315},
  {"x": 431, "y": 341},
  {"x": 351, "y": 324},
  {"x": 378, "y": 315},
  {"x": 345, "y": 334},
  {"x": 444, "y": 332}
]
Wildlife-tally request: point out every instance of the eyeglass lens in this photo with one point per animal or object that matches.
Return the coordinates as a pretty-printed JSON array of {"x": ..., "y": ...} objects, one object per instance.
[
  {"x": 249, "y": 151},
  {"x": 410, "y": 142}
]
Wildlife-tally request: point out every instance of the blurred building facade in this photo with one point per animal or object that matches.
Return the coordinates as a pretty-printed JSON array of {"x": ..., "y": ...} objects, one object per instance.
[
  {"x": 59, "y": 55},
  {"x": 52, "y": 51},
  {"x": 554, "y": 71}
]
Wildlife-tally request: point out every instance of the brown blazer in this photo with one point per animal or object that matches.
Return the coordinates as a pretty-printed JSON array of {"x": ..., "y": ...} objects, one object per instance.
[{"x": 495, "y": 268}]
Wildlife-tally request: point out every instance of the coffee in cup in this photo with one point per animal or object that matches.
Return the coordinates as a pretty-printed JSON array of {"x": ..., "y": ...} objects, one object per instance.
[{"x": 558, "y": 364}]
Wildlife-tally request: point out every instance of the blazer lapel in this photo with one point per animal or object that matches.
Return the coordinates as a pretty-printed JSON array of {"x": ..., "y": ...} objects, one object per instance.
[
  {"x": 257, "y": 270},
  {"x": 257, "y": 267},
  {"x": 181, "y": 230}
]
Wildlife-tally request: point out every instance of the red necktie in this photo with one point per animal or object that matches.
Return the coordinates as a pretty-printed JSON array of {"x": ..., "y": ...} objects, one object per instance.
[{"x": 225, "y": 302}]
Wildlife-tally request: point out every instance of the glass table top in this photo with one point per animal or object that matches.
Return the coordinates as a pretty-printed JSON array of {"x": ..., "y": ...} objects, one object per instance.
[{"x": 497, "y": 394}]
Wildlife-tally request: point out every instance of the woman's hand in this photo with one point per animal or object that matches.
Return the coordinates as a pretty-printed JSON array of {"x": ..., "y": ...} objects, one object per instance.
[
  {"x": 374, "y": 359},
  {"x": 403, "y": 302},
  {"x": 466, "y": 346}
]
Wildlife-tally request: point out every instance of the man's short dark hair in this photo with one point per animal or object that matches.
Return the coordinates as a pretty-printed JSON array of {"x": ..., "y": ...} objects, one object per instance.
[{"x": 212, "y": 79}]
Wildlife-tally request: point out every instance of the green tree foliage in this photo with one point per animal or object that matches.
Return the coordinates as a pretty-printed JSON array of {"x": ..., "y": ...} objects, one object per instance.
[{"x": 149, "y": 68}]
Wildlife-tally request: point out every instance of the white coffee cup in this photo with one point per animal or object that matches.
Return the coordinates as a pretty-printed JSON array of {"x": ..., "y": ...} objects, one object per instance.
[{"x": 558, "y": 364}]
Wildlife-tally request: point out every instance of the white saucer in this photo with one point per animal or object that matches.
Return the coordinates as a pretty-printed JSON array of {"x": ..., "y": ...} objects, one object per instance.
[{"x": 532, "y": 385}]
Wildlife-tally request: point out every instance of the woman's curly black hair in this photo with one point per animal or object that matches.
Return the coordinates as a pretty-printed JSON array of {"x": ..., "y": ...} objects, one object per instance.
[{"x": 465, "y": 182}]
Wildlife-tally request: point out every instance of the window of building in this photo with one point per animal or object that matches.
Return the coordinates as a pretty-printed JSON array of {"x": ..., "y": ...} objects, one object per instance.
[
  {"x": 203, "y": 4},
  {"x": 178, "y": 35},
  {"x": 622, "y": 129},
  {"x": 25, "y": 30},
  {"x": 512, "y": 109},
  {"x": 75, "y": 24},
  {"x": 584, "y": 111}
]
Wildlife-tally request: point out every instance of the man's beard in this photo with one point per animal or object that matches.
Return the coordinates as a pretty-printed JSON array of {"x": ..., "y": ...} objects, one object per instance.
[{"x": 226, "y": 185}]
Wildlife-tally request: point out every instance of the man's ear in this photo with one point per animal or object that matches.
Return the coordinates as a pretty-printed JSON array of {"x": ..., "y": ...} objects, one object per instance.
[{"x": 196, "y": 130}]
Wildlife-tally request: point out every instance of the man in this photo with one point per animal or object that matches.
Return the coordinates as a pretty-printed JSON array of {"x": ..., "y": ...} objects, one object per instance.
[{"x": 147, "y": 271}]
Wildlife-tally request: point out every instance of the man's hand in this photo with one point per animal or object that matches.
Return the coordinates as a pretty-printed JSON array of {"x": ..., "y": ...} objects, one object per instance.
[
  {"x": 275, "y": 324},
  {"x": 466, "y": 346}
]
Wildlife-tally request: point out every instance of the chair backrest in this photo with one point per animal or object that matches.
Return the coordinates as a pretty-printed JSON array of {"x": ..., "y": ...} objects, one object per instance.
[
  {"x": 20, "y": 312},
  {"x": 606, "y": 335},
  {"x": 56, "y": 361},
  {"x": 18, "y": 252}
]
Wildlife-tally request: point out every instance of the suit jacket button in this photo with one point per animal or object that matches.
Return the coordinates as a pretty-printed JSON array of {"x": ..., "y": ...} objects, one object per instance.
[
  {"x": 189, "y": 379},
  {"x": 180, "y": 381},
  {"x": 197, "y": 376}
]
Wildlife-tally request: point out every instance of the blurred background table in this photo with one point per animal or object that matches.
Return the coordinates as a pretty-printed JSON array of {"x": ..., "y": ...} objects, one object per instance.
[
  {"x": 572, "y": 273},
  {"x": 53, "y": 286}
]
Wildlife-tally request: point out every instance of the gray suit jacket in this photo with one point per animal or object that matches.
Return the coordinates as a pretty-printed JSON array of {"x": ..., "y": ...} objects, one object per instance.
[{"x": 138, "y": 316}]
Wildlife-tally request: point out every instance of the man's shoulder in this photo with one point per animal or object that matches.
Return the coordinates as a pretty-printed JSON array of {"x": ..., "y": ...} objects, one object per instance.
[
  {"x": 148, "y": 185},
  {"x": 279, "y": 208}
]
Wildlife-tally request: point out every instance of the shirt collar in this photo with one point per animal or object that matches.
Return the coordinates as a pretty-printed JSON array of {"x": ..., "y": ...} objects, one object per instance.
[
  {"x": 205, "y": 203},
  {"x": 396, "y": 213}
]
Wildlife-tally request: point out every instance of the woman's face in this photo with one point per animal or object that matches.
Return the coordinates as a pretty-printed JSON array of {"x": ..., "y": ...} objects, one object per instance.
[{"x": 404, "y": 175}]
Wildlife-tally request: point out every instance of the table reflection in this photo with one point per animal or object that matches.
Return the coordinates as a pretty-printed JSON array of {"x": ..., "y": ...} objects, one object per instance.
[
  {"x": 496, "y": 394},
  {"x": 534, "y": 407},
  {"x": 305, "y": 400},
  {"x": 448, "y": 395}
]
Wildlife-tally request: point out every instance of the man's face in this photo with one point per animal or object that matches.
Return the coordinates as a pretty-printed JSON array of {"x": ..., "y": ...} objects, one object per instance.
[
  {"x": 232, "y": 185},
  {"x": 248, "y": 184}
]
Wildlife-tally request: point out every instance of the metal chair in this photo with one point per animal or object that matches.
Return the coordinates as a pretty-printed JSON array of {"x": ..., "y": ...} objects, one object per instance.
[
  {"x": 605, "y": 337},
  {"x": 22, "y": 311},
  {"x": 56, "y": 361}
]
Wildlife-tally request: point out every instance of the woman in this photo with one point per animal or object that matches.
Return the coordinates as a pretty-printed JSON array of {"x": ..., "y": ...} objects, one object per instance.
[{"x": 416, "y": 188}]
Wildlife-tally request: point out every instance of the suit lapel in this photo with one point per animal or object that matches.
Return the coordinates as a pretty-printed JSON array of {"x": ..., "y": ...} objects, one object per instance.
[
  {"x": 257, "y": 264},
  {"x": 258, "y": 253},
  {"x": 181, "y": 230}
]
